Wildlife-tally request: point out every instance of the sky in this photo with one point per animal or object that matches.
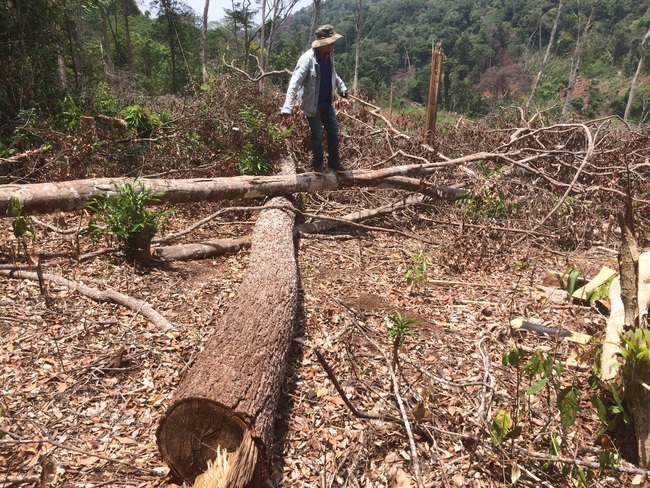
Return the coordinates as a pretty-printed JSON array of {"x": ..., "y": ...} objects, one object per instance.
[{"x": 215, "y": 11}]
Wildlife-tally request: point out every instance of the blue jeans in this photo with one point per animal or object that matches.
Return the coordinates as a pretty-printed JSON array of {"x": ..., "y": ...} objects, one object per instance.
[{"x": 325, "y": 118}]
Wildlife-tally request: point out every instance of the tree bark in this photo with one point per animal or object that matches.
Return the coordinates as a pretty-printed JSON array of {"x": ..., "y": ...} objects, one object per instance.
[
  {"x": 75, "y": 194},
  {"x": 635, "y": 80},
  {"x": 233, "y": 388},
  {"x": 577, "y": 60},
  {"x": 542, "y": 67}
]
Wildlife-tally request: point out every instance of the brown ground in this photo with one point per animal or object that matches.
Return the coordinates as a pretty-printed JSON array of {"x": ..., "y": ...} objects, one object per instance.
[{"x": 83, "y": 384}]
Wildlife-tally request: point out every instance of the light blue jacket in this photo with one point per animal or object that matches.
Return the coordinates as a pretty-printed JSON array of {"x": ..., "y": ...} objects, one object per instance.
[{"x": 305, "y": 83}]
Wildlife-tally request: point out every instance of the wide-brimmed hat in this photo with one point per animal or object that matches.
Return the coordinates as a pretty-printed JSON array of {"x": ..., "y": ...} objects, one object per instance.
[{"x": 325, "y": 35}]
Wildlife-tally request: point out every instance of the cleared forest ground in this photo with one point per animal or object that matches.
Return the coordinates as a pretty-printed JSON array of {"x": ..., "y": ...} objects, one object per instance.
[{"x": 83, "y": 384}]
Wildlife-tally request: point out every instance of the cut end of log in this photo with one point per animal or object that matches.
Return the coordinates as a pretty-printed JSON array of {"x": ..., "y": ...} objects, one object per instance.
[{"x": 198, "y": 436}]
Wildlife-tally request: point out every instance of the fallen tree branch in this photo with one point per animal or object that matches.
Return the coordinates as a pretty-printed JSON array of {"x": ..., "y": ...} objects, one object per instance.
[
  {"x": 579, "y": 462},
  {"x": 261, "y": 75},
  {"x": 375, "y": 112},
  {"x": 109, "y": 295},
  {"x": 74, "y": 194}
]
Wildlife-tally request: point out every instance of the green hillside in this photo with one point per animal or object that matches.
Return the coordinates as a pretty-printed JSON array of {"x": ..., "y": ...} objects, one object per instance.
[
  {"x": 493, "y": 51},
  {"x": 60, "y": 56}
]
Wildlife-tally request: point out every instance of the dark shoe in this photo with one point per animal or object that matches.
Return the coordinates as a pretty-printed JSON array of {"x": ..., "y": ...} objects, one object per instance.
[
  {"x": 338, "y": 167},
  {"x": 318, "y": 169}
]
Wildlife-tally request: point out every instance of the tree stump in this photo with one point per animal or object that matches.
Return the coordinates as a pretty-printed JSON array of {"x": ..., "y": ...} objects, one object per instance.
[{"x": 231, "y": 392}]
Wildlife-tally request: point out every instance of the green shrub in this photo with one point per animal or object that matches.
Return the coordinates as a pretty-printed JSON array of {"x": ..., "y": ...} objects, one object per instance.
[
  {"x": 127, "y": 217},
  {"x": 417, "y": 270}
]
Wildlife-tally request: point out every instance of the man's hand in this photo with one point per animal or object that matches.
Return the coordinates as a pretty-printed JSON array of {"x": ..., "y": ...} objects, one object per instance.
[{"x": 287, "y": 119}]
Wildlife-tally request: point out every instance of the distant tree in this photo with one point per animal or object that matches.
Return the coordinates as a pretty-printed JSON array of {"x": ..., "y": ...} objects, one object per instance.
[
  {"x": 357, "y": 45},
  {"x": 577, "y": 59},
  {"x": 177, "y": 23},
  {"x": 127, "y": 31},
  {"x": 240, "y": 20},
  {"x": 274, "y": 14},
  {"x": 542, "y": 66},
  {"x": 314, "y": 19},
  {"x": 204, "y": 43},
  {"x": 635, "y": 80}
]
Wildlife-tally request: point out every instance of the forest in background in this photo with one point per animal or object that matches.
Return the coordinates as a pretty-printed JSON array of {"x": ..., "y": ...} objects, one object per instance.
[{"x": 62, "y": 57}]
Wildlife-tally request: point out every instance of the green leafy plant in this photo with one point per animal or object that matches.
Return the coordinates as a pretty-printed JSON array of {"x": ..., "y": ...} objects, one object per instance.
[
  {"x": 500, "y": 426},
  {"x": 571, "y": 275},
  {"x": 140, "y": 120},
  {"x": 635, "y": 350},
  {"x": 252, "y": 161},
  {"x": 486, "y": 206},
  {"x": 104, "y": 102},
  {"x": 544, "y": 376},
  {"x": 601, "y": 291},
  {"x": 261, "y": 139},
  {"x": 70, "y": 112},
  {"x": 399, "y": 332},
  {"x": 417, "y": 269},
  {"x": 22, "y": 224},
  {"x": 127, "y": 217}
]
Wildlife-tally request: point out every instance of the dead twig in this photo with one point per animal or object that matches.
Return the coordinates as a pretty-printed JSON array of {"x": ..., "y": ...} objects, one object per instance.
[
  {"x": 344, "y": 397},
  {"x": 407, "y": 424},
  {"x": 580, "y": 462},
  {"x": 15, "y": 440}
]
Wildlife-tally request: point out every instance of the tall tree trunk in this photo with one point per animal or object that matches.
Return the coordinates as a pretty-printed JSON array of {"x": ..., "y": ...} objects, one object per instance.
[
  {"x": 204, "y": 44},
  {"x": 169, "y": 13},
  {"x": 314, "y": 20},
  {"x": 263, "y": 38},
  {"x": 106, "y": 47},
  {"x": 75, "y": 60},
  {"x": 635, "y": 80},
  {"x": 63, "y": 75},
  {"x": 551, "y": 41},
  {"x": 231, "y": 392},
  {"x": 357, "y": 49},
  {"x": 127, "y": 33},
  {"x": 263, "y": 49},
  {"x": 580, "y": 51}
]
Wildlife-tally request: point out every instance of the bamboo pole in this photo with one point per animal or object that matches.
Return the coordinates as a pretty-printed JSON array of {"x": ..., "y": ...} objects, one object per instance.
[{"x": 434, "y": 88}]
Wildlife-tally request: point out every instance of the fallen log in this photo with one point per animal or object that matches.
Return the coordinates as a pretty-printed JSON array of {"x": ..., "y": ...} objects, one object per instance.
[
  {"x": 201, "y": 250},
  {"x": 74, "y": 195},
  {"x": 231, "y": 392}
]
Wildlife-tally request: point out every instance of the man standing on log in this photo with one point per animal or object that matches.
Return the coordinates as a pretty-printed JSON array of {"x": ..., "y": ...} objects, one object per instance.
[{"x": 315, "y": 82}]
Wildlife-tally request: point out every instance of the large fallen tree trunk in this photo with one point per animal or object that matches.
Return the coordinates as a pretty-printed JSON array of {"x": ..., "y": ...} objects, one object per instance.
[
  {"x": 230, "y": 394},
  {"x": 74, "y": 195}
]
